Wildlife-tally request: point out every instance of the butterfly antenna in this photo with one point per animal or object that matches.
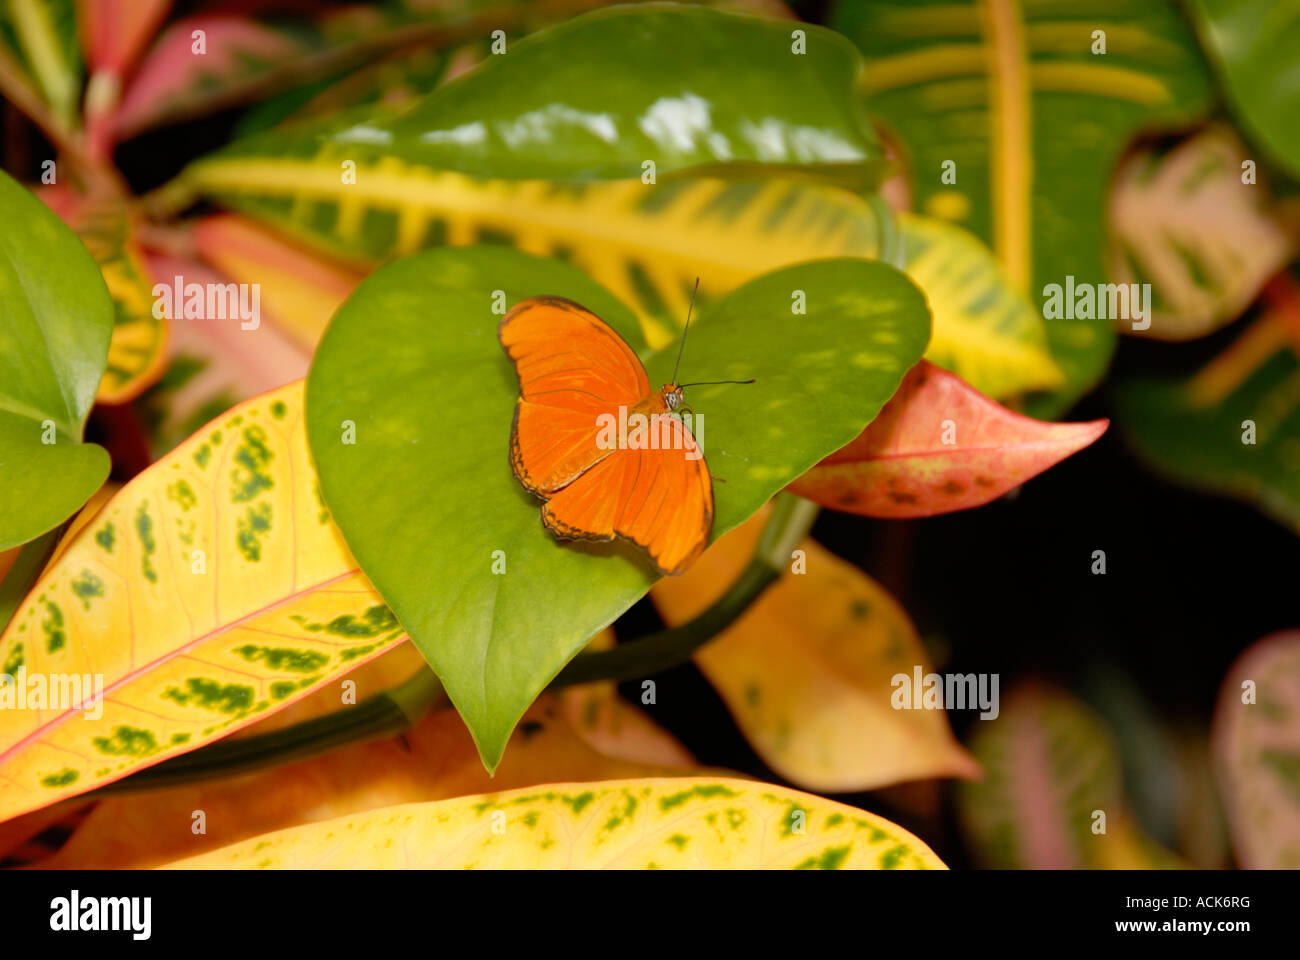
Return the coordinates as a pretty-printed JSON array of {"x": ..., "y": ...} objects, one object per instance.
[
  {"x": 710, "y": 383},
  {"x": 685, "y": 329}
]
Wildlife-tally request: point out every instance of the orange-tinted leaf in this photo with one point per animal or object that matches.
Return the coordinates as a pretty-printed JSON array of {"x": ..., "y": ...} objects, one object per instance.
[
  {"x": 615, "y": 727},
  {"x": 939, "y": 446},
  {"x": 434, "y": 760},
  {"x": 807, "y": 670},
  {"x": 301, "y": 290}
]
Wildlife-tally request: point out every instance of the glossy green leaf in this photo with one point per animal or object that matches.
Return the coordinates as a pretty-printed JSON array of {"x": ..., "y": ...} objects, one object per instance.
[
  {"x": 1255, "y": 45},
  {"x": 425, "y": 495},
  {"x": 546, "y": 109},
  {"x": 1032, "y": 122},
  {"x": 55, "y": 322},
  {"x": 1233, "y": 429}
]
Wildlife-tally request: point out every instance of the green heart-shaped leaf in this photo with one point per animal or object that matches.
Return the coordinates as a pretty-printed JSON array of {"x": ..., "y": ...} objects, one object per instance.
[
  {"x": 55, "y": 322},
  {"x": 425, "y": 496},
  {"x": 605, "y": 95}
]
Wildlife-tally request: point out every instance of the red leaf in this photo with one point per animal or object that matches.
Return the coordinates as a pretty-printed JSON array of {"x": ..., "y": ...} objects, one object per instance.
[{"x": 901, "y": 466}]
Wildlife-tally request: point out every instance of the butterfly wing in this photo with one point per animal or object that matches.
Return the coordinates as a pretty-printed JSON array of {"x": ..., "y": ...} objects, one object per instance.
[
  {"x": 572, "y": 368},
  {"x": 660, "y": 499}
]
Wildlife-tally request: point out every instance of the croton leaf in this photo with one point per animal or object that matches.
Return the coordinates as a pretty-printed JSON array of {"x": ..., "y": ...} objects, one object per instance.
[
  {"x": 1185, "y": 222},
  {"x": 645, "y": 243},
  {"x": 1254, "y": 44},
  {"x": 214, "y": 363},
  {"x": 1257, "y": 753},
  {"x": 245, "y": 56},
  {"x": 55, "y": 322},
  {"x": 644, "y": 823},
  {"x": 1012, "y": 120},
  {"x": 939, "y": 446},
  {"x": 43, "y": 36},
  {"x": 300, "y": 290},
  {"x": 1051, "y": 769},
  {"x": 212, "y": 590},
  {"x": 434, "y": 760},
  {"x": 807, "y": 670},
  {"x": 410, "y": 402},
  {"x": 137, "y": 353},
  {"x": 542, "y": 113},
  {"x": 1234, "y": 427}
]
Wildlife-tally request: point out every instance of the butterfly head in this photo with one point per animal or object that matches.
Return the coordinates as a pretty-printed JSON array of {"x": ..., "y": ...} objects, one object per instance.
[{"x": 672, "y": 396}]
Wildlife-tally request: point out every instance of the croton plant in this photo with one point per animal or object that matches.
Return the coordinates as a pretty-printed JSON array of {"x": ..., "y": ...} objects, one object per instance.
[{"x": 269, "y": 578}]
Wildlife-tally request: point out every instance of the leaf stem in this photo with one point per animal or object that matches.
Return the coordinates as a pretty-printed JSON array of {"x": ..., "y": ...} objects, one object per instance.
[
  {"x": 389, "y": 713},
  {"x": 891, "y": 239},
  {"x": 383, "y": 715},
  {"x": 791, "y": 519}
]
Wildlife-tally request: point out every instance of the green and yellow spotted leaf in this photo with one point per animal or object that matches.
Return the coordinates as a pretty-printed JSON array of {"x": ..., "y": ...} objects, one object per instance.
[
  {"x": 1011, "y": 120},
  {"x": 137, "y": 353},
  {"x": 656, "y": 823},
  {"x": 212, "y": 590},
  {"x": 644, "y": 242}
]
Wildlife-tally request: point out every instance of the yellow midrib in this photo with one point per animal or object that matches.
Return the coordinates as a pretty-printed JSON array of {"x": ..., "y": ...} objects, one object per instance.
[{"x": 1010, "y": 161}]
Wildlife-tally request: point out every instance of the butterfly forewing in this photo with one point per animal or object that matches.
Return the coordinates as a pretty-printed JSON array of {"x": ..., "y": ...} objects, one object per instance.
[{"x": 572, "y": 368}]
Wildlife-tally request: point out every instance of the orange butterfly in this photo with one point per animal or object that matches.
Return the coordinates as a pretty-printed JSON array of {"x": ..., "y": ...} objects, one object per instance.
[{"x": 577, "y": 377}]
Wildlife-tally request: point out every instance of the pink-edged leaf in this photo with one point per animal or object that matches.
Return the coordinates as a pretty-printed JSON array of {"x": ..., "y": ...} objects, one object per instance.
[
  {"x": 1256, "y": 746},
  {"x": 226, "y": 364},
  {"x": 301, "y": 289},
  {"x": 174, "y": 75},
  {"x": 939, "y": 446},
  {"x": 113, "y": 32}
]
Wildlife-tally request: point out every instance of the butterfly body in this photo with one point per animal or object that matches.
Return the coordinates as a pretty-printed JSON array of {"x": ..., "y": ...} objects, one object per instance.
[{"x": 575, "y": 374}]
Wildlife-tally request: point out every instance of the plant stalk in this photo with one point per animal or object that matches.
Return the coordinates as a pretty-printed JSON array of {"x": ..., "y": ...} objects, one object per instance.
[{"x": 390, "y": 713}]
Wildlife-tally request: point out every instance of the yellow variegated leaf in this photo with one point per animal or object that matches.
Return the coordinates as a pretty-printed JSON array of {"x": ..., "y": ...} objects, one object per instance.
[
  {"x": 212, "y": 590},
  {"x": 645, "y": 242},
  {"x": 137, "y": 353},
  {"x": 630, "y": 824},
  {"x": 807, "y": 670},
  {"x": 984, "y": 331},
  {"x": 398, "y": 664}
]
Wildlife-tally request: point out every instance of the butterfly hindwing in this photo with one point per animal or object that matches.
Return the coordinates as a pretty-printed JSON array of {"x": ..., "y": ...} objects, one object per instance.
[{"x": 660, "y": 499}]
